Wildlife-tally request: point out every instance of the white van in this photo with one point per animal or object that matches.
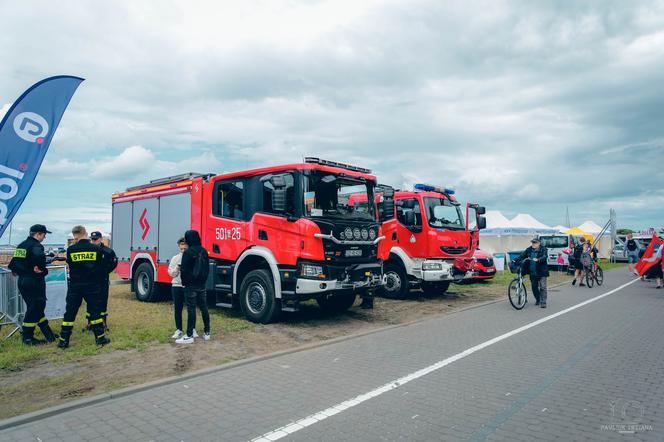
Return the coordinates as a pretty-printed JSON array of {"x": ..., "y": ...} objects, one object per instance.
[{"x": 555, "y": 245}]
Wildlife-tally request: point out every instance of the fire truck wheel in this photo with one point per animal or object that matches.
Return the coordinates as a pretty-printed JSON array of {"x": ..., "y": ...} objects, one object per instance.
[
  {"x": 257, "y": 298},
  {"x": 144, "y": 285},
  {"x": 336, "y": 303},
  {"x": 435, "y": 288},
  {"x": 396, "y": 284}
]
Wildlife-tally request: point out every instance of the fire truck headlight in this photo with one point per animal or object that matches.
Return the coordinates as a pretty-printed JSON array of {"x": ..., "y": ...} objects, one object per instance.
[
  {"x": 357, "y": 234},
  {"x": 365, "y": 234},
  {"x": 349, "y": 233},
  {"x": 342, "y": 236},
  {"x": 372, "y": 234},
  {"x": 312, "y": 271},
  {"x": 432, "y": 266}
]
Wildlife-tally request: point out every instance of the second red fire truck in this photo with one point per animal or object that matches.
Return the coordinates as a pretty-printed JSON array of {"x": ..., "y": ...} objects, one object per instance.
[
  {"x": 434, "y": 241},
  {"x": 276, "y": 236}
]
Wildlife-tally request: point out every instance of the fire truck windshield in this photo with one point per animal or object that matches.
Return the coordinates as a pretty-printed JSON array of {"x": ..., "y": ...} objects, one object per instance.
[
  {"x": 441, "y": 213},
  {"x": 327, "y": 195}
]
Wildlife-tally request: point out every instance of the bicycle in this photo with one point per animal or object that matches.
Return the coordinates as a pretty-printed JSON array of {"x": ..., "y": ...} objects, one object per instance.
[
  {"x": 594, "y": 274},
  {"x": 516, "y": 291}
]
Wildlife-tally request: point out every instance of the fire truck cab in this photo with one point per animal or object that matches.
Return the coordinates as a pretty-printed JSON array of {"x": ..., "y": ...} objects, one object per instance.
[
  {"x": 275, "y": 235},
  {"x": 434, "y": 242}
]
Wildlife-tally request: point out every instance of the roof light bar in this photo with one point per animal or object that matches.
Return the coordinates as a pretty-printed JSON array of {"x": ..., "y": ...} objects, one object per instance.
[
  {"x": 315, "y": 160},
  {"x": 168, "y": 180},
  {"x": 430, "y": 188}
]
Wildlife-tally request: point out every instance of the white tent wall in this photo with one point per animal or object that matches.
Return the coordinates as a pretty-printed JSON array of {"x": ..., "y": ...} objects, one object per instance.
[{"x": 504, "y": 243}]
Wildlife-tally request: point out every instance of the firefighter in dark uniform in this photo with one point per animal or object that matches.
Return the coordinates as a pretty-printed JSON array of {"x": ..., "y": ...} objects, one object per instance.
[
  {"x": 86, "y": 276},
  {"x": 110, "y": 263},
  {"x": 29, "y": 263}
]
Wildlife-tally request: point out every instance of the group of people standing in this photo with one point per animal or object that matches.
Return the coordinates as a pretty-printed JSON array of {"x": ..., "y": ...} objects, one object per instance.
[
  {"x": 89, "y": 261},
  {"x": 582, "y": 256},
  {"x": 189, "y": 270}
]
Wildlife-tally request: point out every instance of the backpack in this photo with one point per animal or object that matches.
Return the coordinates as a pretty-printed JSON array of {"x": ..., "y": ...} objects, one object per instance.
[{"x": 200, "y": 269}]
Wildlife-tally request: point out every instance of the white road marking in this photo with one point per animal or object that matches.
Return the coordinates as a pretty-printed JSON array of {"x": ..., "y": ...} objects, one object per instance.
[{"x": 335, "y": 409}]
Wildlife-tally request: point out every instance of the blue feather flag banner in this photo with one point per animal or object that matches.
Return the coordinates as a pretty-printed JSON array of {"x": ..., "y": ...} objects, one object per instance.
[{"x": 26, "y": 132}]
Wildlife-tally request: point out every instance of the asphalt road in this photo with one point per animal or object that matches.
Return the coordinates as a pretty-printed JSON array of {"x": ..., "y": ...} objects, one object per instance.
[{"x": 589, "y": 367}]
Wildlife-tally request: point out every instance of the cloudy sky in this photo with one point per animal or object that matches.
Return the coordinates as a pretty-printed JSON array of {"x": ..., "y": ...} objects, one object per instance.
[{"x": 522, "y": 106}]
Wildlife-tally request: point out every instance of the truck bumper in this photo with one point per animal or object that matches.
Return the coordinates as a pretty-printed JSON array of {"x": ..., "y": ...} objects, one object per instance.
[
  {"x": 446, "y": 273},
  {"x": 364, "y": 276}
]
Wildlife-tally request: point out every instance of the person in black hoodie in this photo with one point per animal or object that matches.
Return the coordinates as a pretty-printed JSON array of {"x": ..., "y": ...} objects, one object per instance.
[{"x": 194, "y": 271}]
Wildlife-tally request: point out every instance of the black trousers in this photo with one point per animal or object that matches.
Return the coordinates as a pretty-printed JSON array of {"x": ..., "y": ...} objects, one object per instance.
[
  {"x": 92, "y": 294},
  {"x": 104, "y": 288},
  {"x": 178, "y": 304},
  {"x": 196, "y": 297},
  {"x": 33, "y": 292}
]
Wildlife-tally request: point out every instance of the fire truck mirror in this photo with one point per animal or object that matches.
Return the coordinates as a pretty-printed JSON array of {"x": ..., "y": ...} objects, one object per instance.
[
  {"x": 481, "y": 210},
  {"x": 481, "y": 222},
  {"x": 386, "y": 209}
]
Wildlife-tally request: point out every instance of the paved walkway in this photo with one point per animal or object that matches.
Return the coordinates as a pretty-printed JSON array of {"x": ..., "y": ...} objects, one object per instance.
[{"x": 593, "y": 372}]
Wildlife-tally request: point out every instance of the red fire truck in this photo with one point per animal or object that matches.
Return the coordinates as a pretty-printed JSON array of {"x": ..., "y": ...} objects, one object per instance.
[
  {"x": 433, "y": 245},
  {"x": 275, "y": 235}
]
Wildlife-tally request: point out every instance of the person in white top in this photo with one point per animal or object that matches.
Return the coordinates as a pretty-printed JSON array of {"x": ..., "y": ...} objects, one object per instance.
[{"x": 177, "y": 289}]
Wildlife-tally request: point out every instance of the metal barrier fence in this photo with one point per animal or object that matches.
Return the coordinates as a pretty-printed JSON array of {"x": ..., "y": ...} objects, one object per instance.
[{"x": 12, "y": 307}]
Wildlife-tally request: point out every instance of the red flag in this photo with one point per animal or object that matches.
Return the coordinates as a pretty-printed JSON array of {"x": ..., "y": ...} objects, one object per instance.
[{"x": 647, "y": 261}]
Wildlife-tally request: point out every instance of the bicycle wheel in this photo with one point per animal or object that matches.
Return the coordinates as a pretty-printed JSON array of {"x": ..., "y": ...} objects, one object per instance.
[
  {"x": 517, "y": 294},
  {"x": 590, "y": 278},
  {"x": 599, "y": 276}
]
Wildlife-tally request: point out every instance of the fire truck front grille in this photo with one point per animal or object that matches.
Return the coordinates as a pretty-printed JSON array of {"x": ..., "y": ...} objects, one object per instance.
[{"x": 454, "y": 250}]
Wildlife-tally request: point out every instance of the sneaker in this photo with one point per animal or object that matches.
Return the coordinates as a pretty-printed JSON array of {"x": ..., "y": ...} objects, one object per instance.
[
  {"x": 574, "y": 282},
  {"x": 582, "y": 285},
  {"x": 206, "y": 336},
  {"x": 178, "y": 334},
  {"x": 194, "y": 335},
  {"x": 543, "y": 305},
  {"x": 537, "y": 303},
  {"x": 185, "y": 340}
]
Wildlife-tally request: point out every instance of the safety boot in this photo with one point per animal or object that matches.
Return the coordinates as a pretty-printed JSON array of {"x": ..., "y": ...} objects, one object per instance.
[
  {"x": 100, "y": 334},
  {"x": 47, "y": 332},
  {"x": 63, "y": 342},
  {"x": 28, "y": 334}
]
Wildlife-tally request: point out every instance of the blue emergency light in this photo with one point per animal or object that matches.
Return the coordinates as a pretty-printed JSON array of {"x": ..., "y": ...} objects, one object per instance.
[{"x": 430, "y": 188}]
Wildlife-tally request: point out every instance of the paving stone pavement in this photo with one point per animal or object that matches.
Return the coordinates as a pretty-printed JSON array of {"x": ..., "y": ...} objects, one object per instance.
[{"x": 585, "y": 375}]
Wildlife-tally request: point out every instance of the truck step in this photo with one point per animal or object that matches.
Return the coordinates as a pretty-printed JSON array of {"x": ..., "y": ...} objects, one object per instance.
[
  {"x": 290, "y": 309},
  {"x": 224, "y": 304},
  {"x": 223, "y": 287}
]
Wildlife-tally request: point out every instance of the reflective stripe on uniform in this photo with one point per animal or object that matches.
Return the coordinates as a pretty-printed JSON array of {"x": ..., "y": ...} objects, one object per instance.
[
  {"x": 20, "y": 253},
  {"x": 29, "y": 324},
  {"x": 96, "y": 321},
  {"x": 101, "y": 335},
  {"x": 67, "y": 323},
  {"x": 43, "y": 320}
]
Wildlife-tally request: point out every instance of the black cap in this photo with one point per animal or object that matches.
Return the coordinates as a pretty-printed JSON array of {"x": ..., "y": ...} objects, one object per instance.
[
  {"x": 535, "y": 239},
  {"x": 39, "y": 228},
  {"x": 95, "y": 235}
]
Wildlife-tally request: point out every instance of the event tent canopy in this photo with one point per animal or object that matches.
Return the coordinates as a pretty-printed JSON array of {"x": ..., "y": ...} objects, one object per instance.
[
  {"x": 590, "y": 227},
  {"x": 561, "y": 229},
  {"x": 496, "y": 220},
  {"x": 579, "y": 232},
  {"x": 527, "y": 221}
]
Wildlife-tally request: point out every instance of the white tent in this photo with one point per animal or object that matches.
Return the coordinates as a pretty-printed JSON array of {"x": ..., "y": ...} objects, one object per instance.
[
  {"x": 496, "y": 220},
  {"x": 560, "y": 228},
  {"x": 590, "y": 227},
  {"x": 526, "y": 221}
]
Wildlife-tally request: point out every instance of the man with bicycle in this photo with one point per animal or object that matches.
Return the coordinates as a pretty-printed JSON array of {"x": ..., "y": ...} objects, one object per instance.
[{"x": 534, "y": 263}]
